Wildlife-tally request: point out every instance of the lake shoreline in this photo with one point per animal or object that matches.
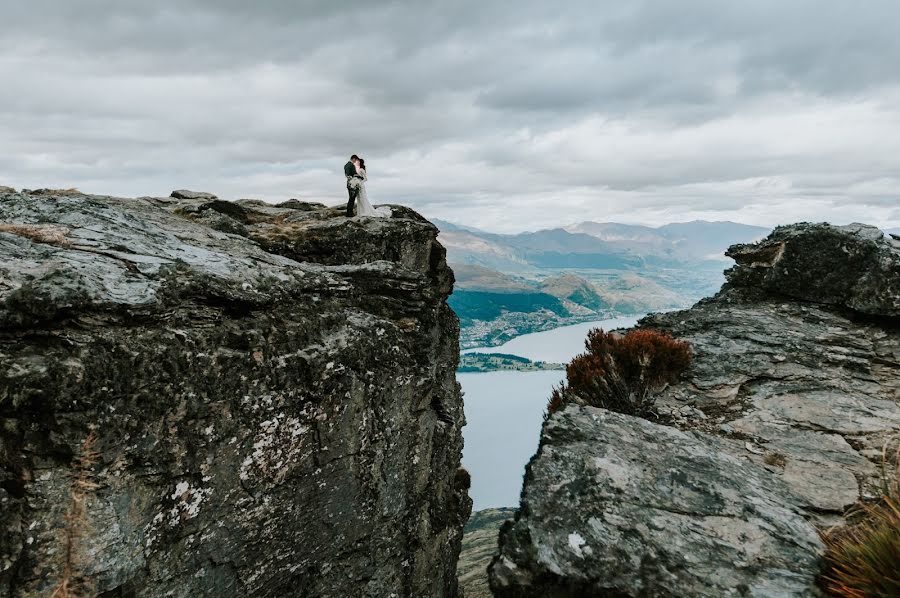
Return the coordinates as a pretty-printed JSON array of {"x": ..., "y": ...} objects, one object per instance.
[
  {"x": 492, "y": 334},
  {"x": 505, "y": 408},
  {"x": 568, "y": 339},
  {"x": 476, "y": 363}
]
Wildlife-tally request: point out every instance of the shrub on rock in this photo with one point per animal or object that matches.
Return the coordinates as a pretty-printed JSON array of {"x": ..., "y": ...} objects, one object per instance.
[
  {"x": 863, "y": 559},
  {"x": 622, "y": 372}
]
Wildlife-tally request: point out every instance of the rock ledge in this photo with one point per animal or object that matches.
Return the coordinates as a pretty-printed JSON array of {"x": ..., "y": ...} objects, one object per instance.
[
  {"x": 778, "y": 426},
  {"x": 272, "y": 391}
]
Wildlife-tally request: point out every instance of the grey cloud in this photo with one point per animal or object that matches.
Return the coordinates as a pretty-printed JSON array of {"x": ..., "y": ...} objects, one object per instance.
[{"x": 651, "y": 108}]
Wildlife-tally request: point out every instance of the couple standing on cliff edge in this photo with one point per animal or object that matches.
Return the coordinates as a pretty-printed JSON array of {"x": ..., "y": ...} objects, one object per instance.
[{"x": 355, "y": 171}]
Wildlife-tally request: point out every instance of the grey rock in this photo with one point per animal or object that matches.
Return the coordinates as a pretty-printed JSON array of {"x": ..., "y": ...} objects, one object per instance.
[
  {"x": 222, "y": 222},
  {"x": 794, "y": 387},
  {"x": 306, "y": 206},
  {"x": 805, "y": 382},
  {"x": 227, "y": 208},
  {"x": 800, "y": 353},
  {"x": 5, "y": 189},
  {"x": 852, "y": 266},
  {"x": 275, "y": 415},
  {"x": 52, "y": 192},
  {"x": 615, "y": 505},
  {"x": 186, "y": 194}
]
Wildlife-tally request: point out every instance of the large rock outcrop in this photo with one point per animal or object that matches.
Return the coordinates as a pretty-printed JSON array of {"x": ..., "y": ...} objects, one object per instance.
[
  {"x": 794, "y": 387},
  {"x": 854, "y": 266},
  {"x": 615, "y": 505},
  {"x": 797, "y": 360},
  {"x": 207, "y": 398}
]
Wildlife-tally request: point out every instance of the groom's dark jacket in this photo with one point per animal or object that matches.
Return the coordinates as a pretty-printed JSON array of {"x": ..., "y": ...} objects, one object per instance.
[{"x": 350, "y": 170}]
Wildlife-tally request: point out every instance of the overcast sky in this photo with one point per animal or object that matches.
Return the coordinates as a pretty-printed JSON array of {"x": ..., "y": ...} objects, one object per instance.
[{"x": 504, "y": 115}]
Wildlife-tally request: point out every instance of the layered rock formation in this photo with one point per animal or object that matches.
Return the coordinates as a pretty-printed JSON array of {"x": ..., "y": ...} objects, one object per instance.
[
  {"x": 779, "y": 426},
  {"x": 616, "y": 505},
  {"x": 797, "y": 360},
  {"x": 207, "y": 398}
]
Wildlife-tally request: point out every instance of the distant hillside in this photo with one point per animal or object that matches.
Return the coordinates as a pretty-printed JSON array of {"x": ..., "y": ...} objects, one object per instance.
[
  {"x": 597, "y": 245},
  {"x": 709, "y": 240},
  {"x": 892, "y": 231},
  {"x": 508, "y": 285},
  {"x": 482, "y": 294},
  {"x": 473, "y": 277},
  {"x": 488, "y": 305},
  {"x": 685, "y": 241},
  {"x": 464, "y": 247},
  {"x": 558, "y": 248},
  {"x": 566, "y": 294},
  {"x": 445, "y": 226},
  {"x": 630, "y": 293},
  {"x": 574, "y": 289},
  {"x": 614, "y": 231},
  {"x": 493, "y": 306}
]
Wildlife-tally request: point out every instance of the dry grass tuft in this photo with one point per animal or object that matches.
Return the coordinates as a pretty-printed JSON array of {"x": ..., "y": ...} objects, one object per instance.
[
  {"x": 73, "y": 583},
  {"x": 51, "y": 234},
  {"x": 622, "y": 373},
  {"x": 863, "y": 558}
]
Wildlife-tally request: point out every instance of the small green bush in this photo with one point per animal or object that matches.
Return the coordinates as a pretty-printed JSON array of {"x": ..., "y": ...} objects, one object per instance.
[{"x": 622, "y": 373}]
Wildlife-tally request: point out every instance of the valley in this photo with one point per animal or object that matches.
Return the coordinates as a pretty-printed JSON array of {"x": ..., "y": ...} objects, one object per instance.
[{"x": 511, "y": 285}]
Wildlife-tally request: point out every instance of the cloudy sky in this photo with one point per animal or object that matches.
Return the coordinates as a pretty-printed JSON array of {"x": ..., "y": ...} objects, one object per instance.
[{"x": 504, "y": 115}]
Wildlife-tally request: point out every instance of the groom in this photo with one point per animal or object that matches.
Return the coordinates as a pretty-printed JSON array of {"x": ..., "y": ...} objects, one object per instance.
[{"x": 353, "y": 180}]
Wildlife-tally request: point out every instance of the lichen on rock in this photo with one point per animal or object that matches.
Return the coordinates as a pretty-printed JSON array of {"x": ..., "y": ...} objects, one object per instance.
[
  {"x": 272, "y": 391},
  {"x": 614, "y": 505}
]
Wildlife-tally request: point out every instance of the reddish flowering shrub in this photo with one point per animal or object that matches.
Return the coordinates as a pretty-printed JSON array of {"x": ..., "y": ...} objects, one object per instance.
[{"x": 622, "y": 373}]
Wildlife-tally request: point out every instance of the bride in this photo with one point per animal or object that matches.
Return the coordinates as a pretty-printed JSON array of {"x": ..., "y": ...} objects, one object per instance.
[{"x": 363, "y": 207}]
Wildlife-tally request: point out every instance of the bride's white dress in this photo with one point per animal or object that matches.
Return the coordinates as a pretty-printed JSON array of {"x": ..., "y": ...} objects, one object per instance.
[{"x": 363, "y": 207}]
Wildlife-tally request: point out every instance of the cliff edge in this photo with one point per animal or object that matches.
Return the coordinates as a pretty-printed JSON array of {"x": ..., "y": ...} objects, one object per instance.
[
  {"x": 211, "y": 398},
  {"x": 779, "y": 426}
]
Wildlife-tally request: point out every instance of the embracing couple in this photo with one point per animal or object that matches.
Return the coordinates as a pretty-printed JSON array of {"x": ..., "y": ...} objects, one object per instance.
[{"x": 355, "y": 171}]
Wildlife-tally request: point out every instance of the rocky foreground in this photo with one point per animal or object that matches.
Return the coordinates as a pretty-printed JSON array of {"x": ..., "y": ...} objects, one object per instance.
[
  {"x": 210, "y": 398},
  {"x": 780, "y": 425}
]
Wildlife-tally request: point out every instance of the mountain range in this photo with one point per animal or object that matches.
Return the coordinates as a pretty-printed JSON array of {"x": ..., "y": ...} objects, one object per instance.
[
  {"x": 597, "y": 245},
  {"x": 510, "y": 284},
  {"x": 513, "y": 284}
]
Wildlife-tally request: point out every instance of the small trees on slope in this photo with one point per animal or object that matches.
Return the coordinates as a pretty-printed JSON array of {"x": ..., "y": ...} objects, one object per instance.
[{"x": 622, "y": 373}]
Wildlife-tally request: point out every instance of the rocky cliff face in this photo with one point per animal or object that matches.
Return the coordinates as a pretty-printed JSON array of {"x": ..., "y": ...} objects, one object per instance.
[
  {"x": 778, "y": 427},
  {"x": 206, "y": 398}
]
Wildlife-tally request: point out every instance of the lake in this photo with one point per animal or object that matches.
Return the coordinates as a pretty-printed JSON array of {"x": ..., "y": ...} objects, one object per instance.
[
  {"x": 558, "y": 345},
  {"x": 505, "y": 410}
]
